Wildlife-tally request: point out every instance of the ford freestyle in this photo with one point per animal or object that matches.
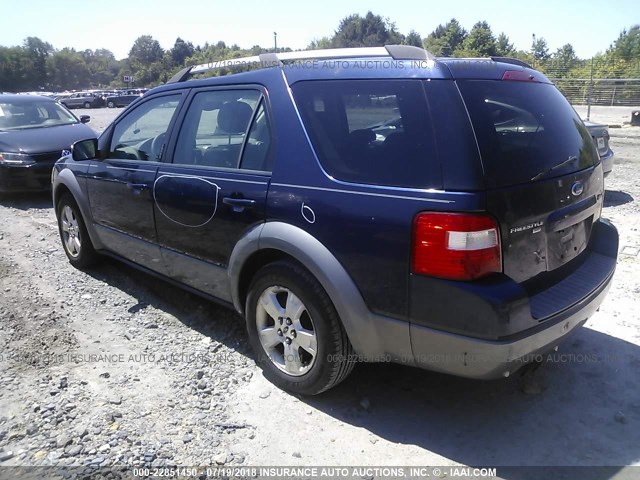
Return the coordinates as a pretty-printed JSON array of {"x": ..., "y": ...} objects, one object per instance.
[{"x": 373, "y": 204}]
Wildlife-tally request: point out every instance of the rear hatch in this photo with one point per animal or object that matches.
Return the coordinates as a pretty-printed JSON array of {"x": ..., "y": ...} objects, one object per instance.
[{"x": 542, "y": 172}]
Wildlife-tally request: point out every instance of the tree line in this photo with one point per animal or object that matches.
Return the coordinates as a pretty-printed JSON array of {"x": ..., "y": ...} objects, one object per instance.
[{"x": 36, "y": 65}]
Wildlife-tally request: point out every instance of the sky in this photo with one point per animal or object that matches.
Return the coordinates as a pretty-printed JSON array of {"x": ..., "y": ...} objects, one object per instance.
[{"x": 589, "y": 25}]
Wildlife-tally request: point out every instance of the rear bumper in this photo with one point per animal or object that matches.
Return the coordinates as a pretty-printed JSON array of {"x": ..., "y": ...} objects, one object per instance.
[
  {"x": 26, "y": 178},
  {"x": 493, "y": 329},
  {"x": 485, "y": 359},
  {"x": 607, "y": 162}
]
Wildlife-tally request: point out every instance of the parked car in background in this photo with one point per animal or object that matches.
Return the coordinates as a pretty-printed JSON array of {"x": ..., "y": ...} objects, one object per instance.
[
  {"x": 445, "y": 215},
  {"x": 83, "y": 100},
  {"x": 125, "y": 98},
  {"x": 600, "y": 135},
  {"x": 107, "y": 93},
  {"x": 34, "y": 132}
]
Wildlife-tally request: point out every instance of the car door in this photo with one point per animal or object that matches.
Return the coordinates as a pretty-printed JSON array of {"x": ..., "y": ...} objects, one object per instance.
[
  {"x": 120, "y": 183},
  {"x": 215, "y": 187},
  {"x": 71, "y": 101}
]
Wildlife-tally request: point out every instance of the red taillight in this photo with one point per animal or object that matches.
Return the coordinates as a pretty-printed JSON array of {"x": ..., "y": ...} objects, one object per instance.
[
  {"x": 518, "y": 76},
  {"x": 456, "y": 246}
]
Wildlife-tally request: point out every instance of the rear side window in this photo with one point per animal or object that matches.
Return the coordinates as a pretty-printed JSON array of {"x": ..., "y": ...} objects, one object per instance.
[
  {"x": 524, "y": 129},
  {"x": 371, "y": 131},
  {"x": 215, "y": 126}
]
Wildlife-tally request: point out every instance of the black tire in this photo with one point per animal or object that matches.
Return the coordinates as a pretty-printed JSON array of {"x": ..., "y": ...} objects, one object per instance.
[
  {"x": 87, "y": 105},
  {"x": 111, "y": 104},
  {"x": 334, "y": 359},
  {"x": 84, "y": 255}
]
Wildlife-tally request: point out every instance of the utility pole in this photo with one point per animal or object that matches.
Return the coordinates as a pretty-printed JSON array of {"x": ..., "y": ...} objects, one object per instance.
[{"x": 275, "y": 42}]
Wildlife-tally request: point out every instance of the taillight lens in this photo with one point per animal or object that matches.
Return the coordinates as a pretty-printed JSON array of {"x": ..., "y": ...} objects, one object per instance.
[
  {"x": 518, "y": 75},
  {"x": 456, "y": 246}
]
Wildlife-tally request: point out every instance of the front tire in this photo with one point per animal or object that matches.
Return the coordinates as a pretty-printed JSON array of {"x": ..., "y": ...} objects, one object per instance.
[
  {"x": 73, "y": 233},
  {"x": 295, "y": 331},
  {"x": 111, "y": 104},
  {"x": 87, "y": 105}
]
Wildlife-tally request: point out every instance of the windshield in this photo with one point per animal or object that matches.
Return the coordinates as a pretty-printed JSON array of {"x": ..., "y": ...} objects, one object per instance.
[
  {"x": 21, "y": 115},
  {"x": 524, "y": 129}
]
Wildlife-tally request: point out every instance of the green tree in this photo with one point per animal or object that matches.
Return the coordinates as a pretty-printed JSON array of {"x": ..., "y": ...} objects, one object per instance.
[
  {"x": 539, "y": 49},
  {"x": 145, "y": 50},
  {"x": 414, "y": 39},
  {"x": 68, "y": 70},
  {"x": 627, "y": 45},
  {"x": 445, "y": 39},
  {"x": 102, "y": 65},
  {"x": 37, "y": 52},
  {"x": 181, "y": 51},
  {"x": 320, "y": 43},
  {"x": 368, "y": 31},
  {"x": 504, "y": 48},
  {"x": 14, "y": 69},
  {"x": 145, "y": 62},
  {"x": 562, "y": 61},
  {"x": 479, "y": 43}
]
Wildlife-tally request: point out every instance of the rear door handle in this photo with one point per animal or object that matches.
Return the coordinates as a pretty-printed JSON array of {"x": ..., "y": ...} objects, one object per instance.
[
  {"x": 239, "y": 204},
  {"x": 137, "y": 188}
]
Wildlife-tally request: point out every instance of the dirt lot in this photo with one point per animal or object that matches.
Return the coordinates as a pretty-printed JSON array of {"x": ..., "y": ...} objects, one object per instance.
[{"x": 112, "y": 367}]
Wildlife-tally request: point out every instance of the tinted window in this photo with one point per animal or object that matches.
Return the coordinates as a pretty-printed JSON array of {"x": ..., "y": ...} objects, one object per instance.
[
  {"x": 215, "y": 127},
  {"x": 525, "y": 128},
  {"x": 256, "y": 151},
  {"x": 371, "y": 131},
  {"x": 142, "y": 133}
]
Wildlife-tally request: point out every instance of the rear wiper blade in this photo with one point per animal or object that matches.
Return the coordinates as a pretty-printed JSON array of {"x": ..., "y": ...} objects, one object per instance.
[{"x": 546, "y": 172}]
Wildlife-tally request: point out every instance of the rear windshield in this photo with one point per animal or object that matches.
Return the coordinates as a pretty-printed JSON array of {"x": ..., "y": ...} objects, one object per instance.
[
  {"x": 524, "y": 129},
  {"x": 371, "y": 131}
]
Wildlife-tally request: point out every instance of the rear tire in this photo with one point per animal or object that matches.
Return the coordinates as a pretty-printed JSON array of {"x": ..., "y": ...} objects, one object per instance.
[
  {"x": 87, "y": 105},
  {"x": 110, "y": 104},
  {"x": 73, "y": 233},
  {"x": 295, "y": 331}
]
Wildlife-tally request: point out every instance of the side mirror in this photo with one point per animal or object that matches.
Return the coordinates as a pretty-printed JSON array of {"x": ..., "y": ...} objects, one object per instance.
[
  {"x": 85, "y": 118},
  {"x": 85, "y": 149}
]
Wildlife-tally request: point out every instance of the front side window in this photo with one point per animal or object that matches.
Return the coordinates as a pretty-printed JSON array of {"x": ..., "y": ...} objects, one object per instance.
[
  {"x": 371, "y": 131},
  {"x": 216, "y": 127},
  {"x": 142, "y": 134}
]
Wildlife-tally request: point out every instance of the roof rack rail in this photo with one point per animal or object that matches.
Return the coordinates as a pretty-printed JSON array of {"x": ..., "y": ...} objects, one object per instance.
[
  {"x": 397, "y": 52},
  {"x": 512, "y": 61}
]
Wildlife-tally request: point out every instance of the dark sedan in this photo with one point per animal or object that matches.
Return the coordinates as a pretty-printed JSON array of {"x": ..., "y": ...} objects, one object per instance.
[
  {"x": 125, "y": 97},
  {"x": 33, "y": 133}
]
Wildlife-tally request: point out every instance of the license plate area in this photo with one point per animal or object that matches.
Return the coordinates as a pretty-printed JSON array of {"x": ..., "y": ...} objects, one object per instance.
[
  {"x": 567, "y": 243},
  {"x": 600, "y": 143}
]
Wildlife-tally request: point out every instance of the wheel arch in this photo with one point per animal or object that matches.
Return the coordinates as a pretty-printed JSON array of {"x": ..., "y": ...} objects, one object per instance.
[
  {"x": 278, "y": 240},
  {"x": 66, "y": 182}
]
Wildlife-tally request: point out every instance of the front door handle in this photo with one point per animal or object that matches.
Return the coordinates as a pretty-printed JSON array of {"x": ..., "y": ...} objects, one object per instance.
[{"x": 239, "y": 204}]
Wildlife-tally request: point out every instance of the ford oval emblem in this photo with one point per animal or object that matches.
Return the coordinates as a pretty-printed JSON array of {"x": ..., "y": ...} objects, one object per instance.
[{"x": 577, "y": 189}]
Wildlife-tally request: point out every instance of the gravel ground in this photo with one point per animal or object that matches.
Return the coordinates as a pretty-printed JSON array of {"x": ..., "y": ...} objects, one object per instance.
[{"x": 112, "y": 367}]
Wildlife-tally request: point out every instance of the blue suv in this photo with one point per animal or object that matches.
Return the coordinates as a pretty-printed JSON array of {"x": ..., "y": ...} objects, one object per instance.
[{"x": 373, "y": 204}]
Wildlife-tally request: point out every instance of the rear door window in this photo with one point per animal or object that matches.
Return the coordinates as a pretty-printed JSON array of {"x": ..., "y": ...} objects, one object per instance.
[
  {"x": 371, "y": 131},
  {"x": 215, "y": 128},
  {"x": 524, "y": 129}
]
